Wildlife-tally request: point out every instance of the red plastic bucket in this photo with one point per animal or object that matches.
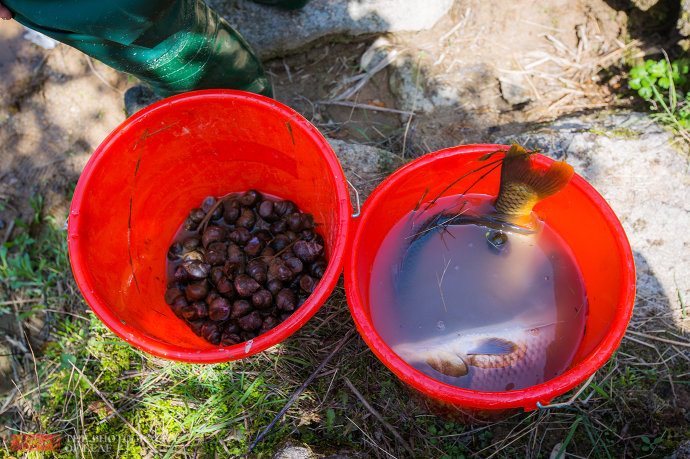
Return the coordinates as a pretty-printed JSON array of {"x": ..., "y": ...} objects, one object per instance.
[
  {"x": 141, "y": 182},
  {"x": 581, "y": 217}
]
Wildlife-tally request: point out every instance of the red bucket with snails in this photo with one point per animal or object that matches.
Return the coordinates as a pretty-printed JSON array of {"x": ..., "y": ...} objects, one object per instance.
[
  {"x": 578, "y": 214},
  {"x": 142, "y": 181}
]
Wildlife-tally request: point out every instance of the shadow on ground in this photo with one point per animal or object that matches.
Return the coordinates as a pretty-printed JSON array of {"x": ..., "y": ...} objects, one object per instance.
[{"x": 655, "y": 26}]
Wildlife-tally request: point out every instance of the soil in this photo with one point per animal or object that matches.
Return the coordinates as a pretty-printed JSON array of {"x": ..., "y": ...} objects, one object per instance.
[
  {"x": 56, "y": 106},
  {"x": 54, "y": 111},
  {"x": 468, "y": 51}
]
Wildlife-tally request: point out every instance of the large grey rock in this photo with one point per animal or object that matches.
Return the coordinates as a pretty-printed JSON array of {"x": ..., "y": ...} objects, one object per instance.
[
  {"x": 364, "y": 166},
  {"x": 290, "y": 451},
  {"x": 273, "y": 32},
  {"x": 634, "y": 165},
  {"x": 470, "y": 86}
]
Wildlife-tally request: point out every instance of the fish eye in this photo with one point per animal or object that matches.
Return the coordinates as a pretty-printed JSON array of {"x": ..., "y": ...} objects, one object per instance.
[{"x": 497, "y": 240}]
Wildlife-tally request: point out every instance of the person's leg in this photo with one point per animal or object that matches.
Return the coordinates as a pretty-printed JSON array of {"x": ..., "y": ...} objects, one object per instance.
[{"x": 174, "y": 46}]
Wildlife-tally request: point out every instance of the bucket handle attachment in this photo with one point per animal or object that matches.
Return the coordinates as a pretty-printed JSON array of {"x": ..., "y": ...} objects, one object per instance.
[
  {"x": 570, "y": 400},
  {"x": 356, "y": 214}
]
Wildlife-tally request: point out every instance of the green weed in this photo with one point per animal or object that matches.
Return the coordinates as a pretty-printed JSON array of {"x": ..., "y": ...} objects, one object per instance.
[
  {"x": 649, "y": 445},
  {"x": 665, "y": 86},
  {"x": 37, "y": 257}
]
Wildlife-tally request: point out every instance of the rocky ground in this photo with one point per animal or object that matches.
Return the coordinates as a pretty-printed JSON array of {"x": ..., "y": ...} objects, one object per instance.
[{"x": 386, "y": 81}]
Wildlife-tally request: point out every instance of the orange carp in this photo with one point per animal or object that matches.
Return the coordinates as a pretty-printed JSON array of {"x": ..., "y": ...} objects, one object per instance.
[{"x": 508, "y": 348}]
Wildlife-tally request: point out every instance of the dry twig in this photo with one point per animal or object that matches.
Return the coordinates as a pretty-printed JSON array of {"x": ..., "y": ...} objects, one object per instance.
[
  {"x": 658, "y": 338},
  {"x": 345, "y": 103},
  {"x": 100, "y": 77},
  {"x": 299, "y": 391},
  {"x": 364, "y": 78},
  {"x": 376, "y": 414}
]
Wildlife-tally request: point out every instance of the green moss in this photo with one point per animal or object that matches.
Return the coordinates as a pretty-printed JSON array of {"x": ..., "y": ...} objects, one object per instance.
[{"x": 617, "y": 132}]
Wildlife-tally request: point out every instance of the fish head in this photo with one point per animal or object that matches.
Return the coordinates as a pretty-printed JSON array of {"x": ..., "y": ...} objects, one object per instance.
[
  {"x": 444, "y": 361},
  {"x": 448, "y": 363}
]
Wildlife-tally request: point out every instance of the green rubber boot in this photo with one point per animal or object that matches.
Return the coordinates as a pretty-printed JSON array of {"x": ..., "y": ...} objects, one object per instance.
[{"x": 174, "y": 46}]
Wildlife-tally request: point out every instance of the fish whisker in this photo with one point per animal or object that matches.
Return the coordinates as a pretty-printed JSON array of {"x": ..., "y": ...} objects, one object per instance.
[
  {"x": 496, "y": 163},
  {"x": 441, "y": 291},
  {"x": 440, "y": 225},
  {"x": 440, "y": 281},
  {"x": 416, "y": 208}
]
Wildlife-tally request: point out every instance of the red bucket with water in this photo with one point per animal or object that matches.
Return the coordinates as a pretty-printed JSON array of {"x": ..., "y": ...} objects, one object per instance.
[
  {"x": 578, "y": 214},
  {"x": 141, "y": 182}
]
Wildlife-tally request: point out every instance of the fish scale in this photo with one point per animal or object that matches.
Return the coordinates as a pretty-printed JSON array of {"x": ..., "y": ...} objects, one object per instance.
[
  {"x": 499, "y": 361},
  {"x": 449, "y": 358},
  {"x": 516, "y": 199},
  {"x": 527, "y": 365}
]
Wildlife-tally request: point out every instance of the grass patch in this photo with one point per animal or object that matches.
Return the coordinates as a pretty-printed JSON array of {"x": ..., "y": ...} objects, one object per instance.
[{"x": 82, "y": 372}]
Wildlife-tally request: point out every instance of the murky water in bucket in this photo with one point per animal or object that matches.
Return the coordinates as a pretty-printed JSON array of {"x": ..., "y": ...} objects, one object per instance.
[{"x": 461, "y": 310}]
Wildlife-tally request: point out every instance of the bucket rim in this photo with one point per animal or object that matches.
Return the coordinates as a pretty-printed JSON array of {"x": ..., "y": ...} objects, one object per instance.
[
  {"x": 526, "y": 398},
  {"x": 262, "y": 342}
]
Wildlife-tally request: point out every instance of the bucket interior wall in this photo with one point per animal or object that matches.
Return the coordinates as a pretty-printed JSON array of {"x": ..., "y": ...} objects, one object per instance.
[
  {"x": 581, "y": 224},
  {"x": 170, "y": 161}
]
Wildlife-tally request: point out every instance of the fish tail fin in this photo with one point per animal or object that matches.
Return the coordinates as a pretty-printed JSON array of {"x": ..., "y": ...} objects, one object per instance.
[
  {"x": 556, "y": 177},
  {"x": 524, "y": 184}
]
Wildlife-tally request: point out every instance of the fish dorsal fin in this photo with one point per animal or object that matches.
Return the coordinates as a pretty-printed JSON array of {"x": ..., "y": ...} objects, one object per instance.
[
  {"x": 448, "y": 364},
  {"x": 523, "y": 184},
  {"x": 493, "y": 346}
]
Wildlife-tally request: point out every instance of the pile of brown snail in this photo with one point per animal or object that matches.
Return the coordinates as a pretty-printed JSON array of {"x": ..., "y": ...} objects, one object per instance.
[{"x": 242, "y": 264}]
